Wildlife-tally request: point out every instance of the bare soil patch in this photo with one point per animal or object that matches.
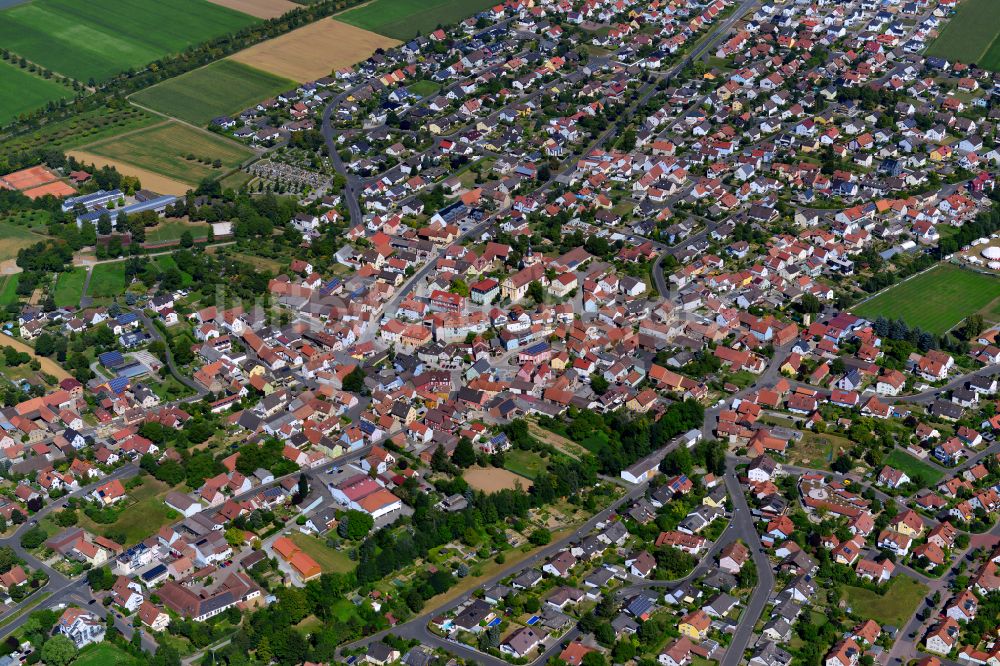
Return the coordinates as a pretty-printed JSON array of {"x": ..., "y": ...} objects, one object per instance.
[
  {"x": 492, "y": 479},
  {"x": 265, "y": 9},
  {"x": 314, "y": 51},
  {"x": 150, "y": 180}
]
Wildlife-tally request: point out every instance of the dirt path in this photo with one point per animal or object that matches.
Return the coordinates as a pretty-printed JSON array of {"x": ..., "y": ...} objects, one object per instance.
[{"x": 48, "y": 365}]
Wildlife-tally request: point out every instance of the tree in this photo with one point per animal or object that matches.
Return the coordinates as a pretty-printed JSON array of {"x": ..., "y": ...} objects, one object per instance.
[
  {"x": 354, "y": 382},
  {"x": 235, "y": 537},
  {"x": 355, "y": 525},
  {"x": 540, "y": 537},
  {"x": 599, "y": 383},
  {"x": 536, "y": 292},
  {"x": 464, "y": 455},
  {"x": 33, "y": 538},
  {"x": 58, "y": 651},
  {"x": 187, "y": 240}
]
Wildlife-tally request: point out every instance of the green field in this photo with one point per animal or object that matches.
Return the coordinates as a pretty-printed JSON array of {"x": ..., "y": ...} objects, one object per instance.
[
  {"x": 69, "y": 288},
  {"x": 8, "y": 288},
  {"x": 894, "y": 607},
  {"x": 99, "y": 38},
  {"x": 405, "y": 19},
  {"x": 13, "y": 238},
  {"x": 21, "y": 92},
  {"x": 164, "y": 149},
  {"x": 969, "y": 35},
  {"x": 524, "y": 463},
  {"x": 225, "y": 87},
  {"x": 929, "y": 474},
  {"x": 144, "y": 515},
  {"x": 107, "y": 280},
  {"x": 104, "y": 654},
  {"x": 170, "y": 230},
  {"x": 329, "y": 560},
  {"x": 424, "y": 88},
  {"x": 936, "y": 300}
]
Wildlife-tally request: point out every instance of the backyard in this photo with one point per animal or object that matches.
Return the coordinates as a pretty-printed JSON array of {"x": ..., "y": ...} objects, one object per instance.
[
  {"x": 145, "y": 514},
  {"x": 817, "y": 451},
  {"x": 328, "y": 559}
]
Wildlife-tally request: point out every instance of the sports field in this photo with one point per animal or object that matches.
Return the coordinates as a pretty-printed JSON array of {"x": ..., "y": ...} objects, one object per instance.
[
  {"x": 225, "y": 87},
  {"x": 21, "y": 92},
  {"x": 165, "y": 150},
  {"x": 969, "y": 35},
  {"x": 99, "y": 38},
  {"x": 331, "y": 45},
  {"x": 405, "y": 19},
  {"x": 936, "y": 300}
]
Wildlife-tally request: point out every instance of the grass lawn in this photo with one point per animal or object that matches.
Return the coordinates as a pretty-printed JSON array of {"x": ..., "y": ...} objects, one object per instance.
[
  {"x": 894, "y": 607},
  {"x": 8, "y": 289},
  {"x": 343, "y": 610},
  {"x": 21, "y": 91},
  {"x": 107, "y": 280},
  {"x": 69, "y": 287},
  {"x": 929, "y": 474},
  {"x": 14, "y": 238},
  {"x": 403, "y": 19},
  {"x": 145, "y": 514},
  {"x": 165, "y": 261},
  {"x": 525, "y": 463},
  {"x": 968, "y": 36},
  {"x": 935, "y": 301},
  {"x": 329, "y": 560},
  {"x": 222, "y": 88},
  {"x": 100, "y": 38},
  {"x": 171, "y": 230},
  {"x": 165, "y": 149},
  {"x": 36, "y": 220},
  {"x": 817, "y": 451},
  {"x": 424, "y": 88},
  {"x": 104, "y": 654}
]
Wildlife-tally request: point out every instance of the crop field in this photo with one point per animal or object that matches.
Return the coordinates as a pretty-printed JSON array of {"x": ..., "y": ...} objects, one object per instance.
[
  {"x": 331, "y": 45},
  {"x": 971, "y": 35},
  {"x": 99, "y": 38},
  {"x": 87, "y": 127},
  {"x": 405, "y": 19},
  {"x": 21, "y": 92},
  {"x": 171, "y": 150},
  {"x": 936, "y": 301},
  {"x": 225, "y": 87},
  {"x": 264, "y": 9}
]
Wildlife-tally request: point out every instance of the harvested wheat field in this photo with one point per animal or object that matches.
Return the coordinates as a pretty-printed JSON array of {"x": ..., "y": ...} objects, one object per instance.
[
  {"x": 265, "y": 9},
  {"x": 491, "y": 479},
  {"x": 330, "y": 45},
  {"x": 150, "y": 181}
]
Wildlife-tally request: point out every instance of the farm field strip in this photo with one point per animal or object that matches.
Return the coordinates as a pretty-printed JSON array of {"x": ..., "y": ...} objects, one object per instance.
[
  {"x": 222, "y": 88},
  {"x": 265, "y": 9},
  {"x": 21, "y": 91},
  {"x": 404, "y": 19},
  {"x": 331, "y": 44},
  {"x": 970, "y": 34},
  {"x": 100, "y": 38}
]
